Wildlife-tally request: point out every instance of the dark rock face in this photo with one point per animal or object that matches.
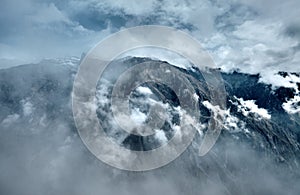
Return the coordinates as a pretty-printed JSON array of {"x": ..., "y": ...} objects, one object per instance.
[{"x": 42, "y": 153}]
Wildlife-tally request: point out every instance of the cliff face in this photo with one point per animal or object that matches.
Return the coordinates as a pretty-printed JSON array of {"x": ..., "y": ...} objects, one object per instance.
[{"x": 41, "y": 152}]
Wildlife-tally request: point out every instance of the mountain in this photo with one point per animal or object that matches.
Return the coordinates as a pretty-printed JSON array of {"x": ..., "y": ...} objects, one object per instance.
[{"x": 41, "y": 152}]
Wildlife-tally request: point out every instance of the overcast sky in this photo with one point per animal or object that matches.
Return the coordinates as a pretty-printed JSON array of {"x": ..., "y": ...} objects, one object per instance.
[{"x": 249, "y": 35}]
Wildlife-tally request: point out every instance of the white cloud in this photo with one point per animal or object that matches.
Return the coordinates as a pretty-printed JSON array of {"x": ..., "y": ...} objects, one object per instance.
[
  {"x": 134, "y": 7},
  {"x": 28, "y": 107},
  {"x": 144, "y": 90},
  {"x": 254, "y": 47},
  {"x": 137, "y": 116},
  {"x": 276, "y": 80},
  {"x": 223, "y": 117},
  {"x": 249, "y": 106},
  {"x": 161, "y": 136},
  {"x": 249, "y": 36},
  {"x": 48, "y": 14},
  {"x": 33, "y": 30},
  {"x": 292, "y": 106},
  {"x": 10, "y": 119}
]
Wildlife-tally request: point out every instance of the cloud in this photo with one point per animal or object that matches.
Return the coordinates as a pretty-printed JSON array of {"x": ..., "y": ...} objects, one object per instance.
[
  {"x": 249, "y": 36},
  {"x": 249, "y": 106},
  {"x": 34, "y": 30}
]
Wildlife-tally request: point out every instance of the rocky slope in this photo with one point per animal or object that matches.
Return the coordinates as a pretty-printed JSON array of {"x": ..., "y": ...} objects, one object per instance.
[{"x": 41, "y": 152}]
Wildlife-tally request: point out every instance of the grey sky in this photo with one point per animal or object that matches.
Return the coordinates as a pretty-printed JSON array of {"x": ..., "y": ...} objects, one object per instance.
[{"x": 251, "y": 36}]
